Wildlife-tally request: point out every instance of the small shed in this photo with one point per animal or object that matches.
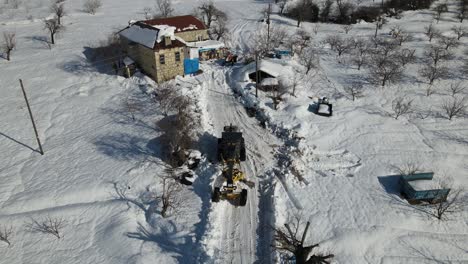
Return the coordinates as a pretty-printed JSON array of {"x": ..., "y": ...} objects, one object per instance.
[
  {"x": 419, "y": 187},
  {"x": 209, "y": 49}
]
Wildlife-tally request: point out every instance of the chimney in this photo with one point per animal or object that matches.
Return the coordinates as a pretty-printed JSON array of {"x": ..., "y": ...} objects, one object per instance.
[{"x": 167, "y": 41}]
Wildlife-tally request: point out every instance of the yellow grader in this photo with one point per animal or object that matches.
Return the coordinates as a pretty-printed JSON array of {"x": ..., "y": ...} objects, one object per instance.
[{"x": 231, "y": 151}]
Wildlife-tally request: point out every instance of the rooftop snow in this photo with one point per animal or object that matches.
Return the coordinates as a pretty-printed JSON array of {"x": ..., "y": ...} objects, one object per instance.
[
  {"x": 207, "y": 44},
  {"x": 144, "y": 36}
]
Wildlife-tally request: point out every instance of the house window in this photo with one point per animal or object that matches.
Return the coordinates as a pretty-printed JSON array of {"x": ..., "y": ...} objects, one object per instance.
[
  {"x": 162, "y": 59},
  {"x": 177, "y": 56},
  {"x": 199, "y": 37}
]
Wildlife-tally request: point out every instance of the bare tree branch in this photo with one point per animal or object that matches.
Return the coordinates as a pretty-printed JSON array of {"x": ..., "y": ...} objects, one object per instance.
[{"x": 47, "y": 225}]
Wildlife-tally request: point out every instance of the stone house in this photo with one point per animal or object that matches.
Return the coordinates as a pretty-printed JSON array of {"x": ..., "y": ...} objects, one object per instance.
[{"x": 160, "y": 46}]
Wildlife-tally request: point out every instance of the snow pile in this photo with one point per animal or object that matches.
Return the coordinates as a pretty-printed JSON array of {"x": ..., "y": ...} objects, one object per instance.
[
  {"x": 164, "y": 31},
  {"x": 206, "y": 44},
  {"x": 190, "y": 27},
  {"x": 269, "y": 81}
]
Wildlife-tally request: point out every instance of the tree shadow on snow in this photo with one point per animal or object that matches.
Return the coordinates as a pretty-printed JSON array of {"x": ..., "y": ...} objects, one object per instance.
[
  {"x": 124, "y": 146},
  {"x": 168, "y": 239}
]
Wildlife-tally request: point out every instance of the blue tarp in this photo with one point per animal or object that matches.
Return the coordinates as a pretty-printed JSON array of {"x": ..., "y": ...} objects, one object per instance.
[{"x": 191, "y": 66}]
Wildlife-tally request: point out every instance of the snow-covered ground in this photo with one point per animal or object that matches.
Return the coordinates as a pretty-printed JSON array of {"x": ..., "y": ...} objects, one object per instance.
[{"x": 100, "y": 167}]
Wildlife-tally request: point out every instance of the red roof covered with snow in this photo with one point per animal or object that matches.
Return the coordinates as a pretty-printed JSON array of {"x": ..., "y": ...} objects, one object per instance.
[{"x": 182, "y": 23}]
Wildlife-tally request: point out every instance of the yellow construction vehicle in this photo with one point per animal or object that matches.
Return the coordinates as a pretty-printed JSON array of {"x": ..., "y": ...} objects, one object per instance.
[{"x": 231, "y": 151}]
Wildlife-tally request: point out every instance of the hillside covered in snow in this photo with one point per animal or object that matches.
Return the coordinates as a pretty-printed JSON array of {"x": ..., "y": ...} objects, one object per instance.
[{"x": 105, "y": 176}]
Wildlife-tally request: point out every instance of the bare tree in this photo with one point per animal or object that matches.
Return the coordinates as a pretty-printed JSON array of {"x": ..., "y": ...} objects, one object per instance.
[
  {"x": 439, "y": 9},
  {"x": 210, "y": 13},
  {"x": 309, "y": 59},
  {"x": 342, "y": 46},
  {"x": 385, "y": 69},
  {"x": 459, "y": 31},
  {"x": 408, "y": 168},
  {"x": 53, "y": 27},
  {"x": 300, "y": 41},
  {"x": 166, "y": 96},
  {"x": 406, "y": 56},
  {"x": 5, "y": 234},
  {"x": 295, "y": 81},
  {"x": 448, "y": 42},
  {"x": 170, "y": 196},
  {"x": 430, "y": 31},
  {"x": 347, "y": 28},
  {"x": 219, "y": 30},
  {"x": 344, "y": 9},
  {"x": 289, "y": 239},
  {"x": 462, "y": 10},
  {"x": 441, "y": 209},
  {"x": 454, "y": 107},
  {"x": 47, "y": 225},
  {"x": 147, "y": 12},
  {"x": 164, "y": 8},
  {"x": 379, "y": 22},
  {"x": 436, "y": 54},
  {"x": 332, "y": 40},
  {"x": 456, "y": 88},
  {"x": 58, "y": 8},
  {"x": 92, "y": 6},
  {"x": 282, "y": 4},
  {"x": 361, "y": 52},
  {"x": 132, "y": 106},
  {"x": 354, "y": 91},
  {"x": 316, "y": 29},
  {"x": 278, "y": 92},
  {"x": 400, "y": 35},
  {"x": 9, "y": 43},
  {"x": 432, "y": 73},
  {"x": 179, "y": 129},
  {"x": 325, "y": 10},
  {"x": 401, "y": 106}
]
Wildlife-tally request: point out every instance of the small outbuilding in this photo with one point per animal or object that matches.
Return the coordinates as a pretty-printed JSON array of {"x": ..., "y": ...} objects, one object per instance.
[{"x": 419, "y": 187}]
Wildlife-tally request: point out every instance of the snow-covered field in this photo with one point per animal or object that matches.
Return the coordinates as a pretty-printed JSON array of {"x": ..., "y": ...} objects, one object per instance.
[{"x": 100, "y": 167}]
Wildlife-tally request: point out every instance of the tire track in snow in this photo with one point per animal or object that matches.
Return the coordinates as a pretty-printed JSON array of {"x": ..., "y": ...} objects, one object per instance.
[{"x": 238, "y": 239}]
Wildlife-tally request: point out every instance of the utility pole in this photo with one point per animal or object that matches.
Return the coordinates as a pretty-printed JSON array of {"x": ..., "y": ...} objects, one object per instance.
[
  {"x": 32, "y": 118},
  {"x": 256, "y": 74},
  {"x": 268, "y": 25}
]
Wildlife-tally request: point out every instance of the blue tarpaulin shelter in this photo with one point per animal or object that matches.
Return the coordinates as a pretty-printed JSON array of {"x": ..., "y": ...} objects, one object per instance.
[{"x": 191, "y": 66}]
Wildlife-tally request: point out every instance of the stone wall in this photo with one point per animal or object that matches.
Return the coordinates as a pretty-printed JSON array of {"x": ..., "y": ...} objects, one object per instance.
[
  {"x": 171, "y": 68},
  {"x": 191, "y": 36}
]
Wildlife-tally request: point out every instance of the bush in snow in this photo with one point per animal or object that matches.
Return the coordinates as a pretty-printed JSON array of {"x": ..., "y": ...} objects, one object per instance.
[
  {"x": 354, "y": 91},
  {"x": 5, "y": 234},
  {"x": 456, "y": 88},
  {"x": 47, "y": 225},
  {"x": 401, "y": 106},
  {"x": 92, "y": 6},
  {"x": 9, "y": 43},
  {"x": 454, "y": 107}
]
